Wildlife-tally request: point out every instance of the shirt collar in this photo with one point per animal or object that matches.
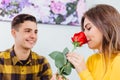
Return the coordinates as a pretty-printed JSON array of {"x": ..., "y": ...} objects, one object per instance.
[{"x": 15, "y": 59}]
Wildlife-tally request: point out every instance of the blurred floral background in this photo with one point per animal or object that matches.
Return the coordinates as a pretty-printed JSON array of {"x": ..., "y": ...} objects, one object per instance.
[{"x": 46, "y": 11}]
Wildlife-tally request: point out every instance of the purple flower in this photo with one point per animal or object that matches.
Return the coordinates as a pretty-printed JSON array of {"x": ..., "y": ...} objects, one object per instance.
[
  {"x": 5, "y": 1},
  {"x": 58, "y": 7}
]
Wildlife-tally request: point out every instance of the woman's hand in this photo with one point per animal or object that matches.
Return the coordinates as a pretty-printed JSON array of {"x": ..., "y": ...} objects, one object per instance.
[
  {"x": 77, "y": 60},
  {"x": 58, "y": 77}
]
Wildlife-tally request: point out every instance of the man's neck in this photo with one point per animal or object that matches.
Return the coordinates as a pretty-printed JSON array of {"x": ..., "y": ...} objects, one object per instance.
[{"x": 21, "y": 53}]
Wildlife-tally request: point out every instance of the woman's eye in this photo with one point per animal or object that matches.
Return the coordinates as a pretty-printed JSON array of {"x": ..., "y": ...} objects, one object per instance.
[{"x": 89, "y": 28}]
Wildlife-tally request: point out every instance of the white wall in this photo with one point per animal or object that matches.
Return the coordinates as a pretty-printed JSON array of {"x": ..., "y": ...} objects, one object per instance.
[
  {"x": 115, "y": 3},
  {"x": 53, "y": 37}
]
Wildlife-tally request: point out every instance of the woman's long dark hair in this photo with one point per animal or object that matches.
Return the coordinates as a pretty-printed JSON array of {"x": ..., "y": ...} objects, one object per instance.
[{"x": 107, "y": 19}]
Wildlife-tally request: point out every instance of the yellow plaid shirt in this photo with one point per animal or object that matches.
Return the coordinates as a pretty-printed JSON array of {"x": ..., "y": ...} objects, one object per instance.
[{"x": 36, "y": 68}]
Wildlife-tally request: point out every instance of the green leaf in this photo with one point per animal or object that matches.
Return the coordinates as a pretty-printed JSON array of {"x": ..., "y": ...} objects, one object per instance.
[
  {"x": 54, "y": 53},
  {"x": 65, "y": 51},
  {"x": 72, "y": 65},
  {"x": 71, "y": 8},
  {"x": 67, "y": 69},
  {"x": 59, "y": 19},
  {"x": 60, "y": 60},
  {"x": 76, "y": 44}
]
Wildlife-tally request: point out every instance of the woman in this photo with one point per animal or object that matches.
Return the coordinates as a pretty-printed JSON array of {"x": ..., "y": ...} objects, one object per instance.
[{"x": 101, "y": 25}]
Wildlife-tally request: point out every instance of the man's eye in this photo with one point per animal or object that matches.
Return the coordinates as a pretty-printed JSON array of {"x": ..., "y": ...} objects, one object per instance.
[
  {"x": 27, "y": 31},
  {"x": 36, "y": 32}
]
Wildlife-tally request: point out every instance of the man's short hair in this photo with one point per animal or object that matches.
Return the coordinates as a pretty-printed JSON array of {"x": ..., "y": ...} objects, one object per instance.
[{"x": 21, "y": 18}]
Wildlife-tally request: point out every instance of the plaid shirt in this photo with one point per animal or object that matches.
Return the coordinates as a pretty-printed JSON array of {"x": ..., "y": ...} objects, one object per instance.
[{"x": 36, "y": 68}]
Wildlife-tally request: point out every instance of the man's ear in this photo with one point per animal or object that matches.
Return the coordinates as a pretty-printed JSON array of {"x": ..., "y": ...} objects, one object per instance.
[{"x": 13, "y": 32}]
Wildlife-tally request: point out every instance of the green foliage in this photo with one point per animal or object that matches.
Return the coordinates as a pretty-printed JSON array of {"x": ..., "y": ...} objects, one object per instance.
[
  {"x": 67, "y": 69},
  {"x": 54, "y": 53},
  {"x": 59, "y": 19},
  {"x": 65, "y": 51},
  {"x": 64, "y": 67},
  {"x": 60, "y": 60},
  {"x": 76, "y": 44},
  {"x": 71, "y": 7}
]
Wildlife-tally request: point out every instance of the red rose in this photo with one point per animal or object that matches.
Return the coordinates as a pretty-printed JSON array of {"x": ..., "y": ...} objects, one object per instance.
[{"x": 79, "y": 39}]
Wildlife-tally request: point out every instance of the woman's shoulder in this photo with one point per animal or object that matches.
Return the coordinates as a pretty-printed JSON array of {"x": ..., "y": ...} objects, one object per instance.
[
  {"x": 116, "y": 62},
  {"x": 117, "y": 58},
  {"x": 93, "y": 60},
  {"x": 95, "y": 55}
]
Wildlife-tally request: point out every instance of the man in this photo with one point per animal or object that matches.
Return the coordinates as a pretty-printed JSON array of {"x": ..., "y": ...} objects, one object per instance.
[{"x": 19, "y": 62}]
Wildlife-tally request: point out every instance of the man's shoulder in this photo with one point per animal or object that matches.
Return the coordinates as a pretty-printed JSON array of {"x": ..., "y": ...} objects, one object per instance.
[
  {"x": 41, "y": 59},
  {"x": 4, "y": 53},
  {"x": 36, "y": 55}
]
